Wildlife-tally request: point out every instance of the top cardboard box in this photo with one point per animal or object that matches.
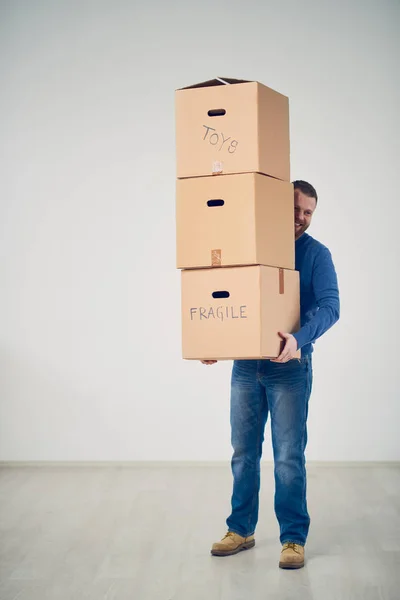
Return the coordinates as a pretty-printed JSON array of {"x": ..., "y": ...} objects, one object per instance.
[{"x": 227, "y": 126}]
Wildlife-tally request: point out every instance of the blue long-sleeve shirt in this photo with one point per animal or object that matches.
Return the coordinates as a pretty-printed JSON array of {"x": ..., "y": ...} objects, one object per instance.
[{"x": 319, "y": 293}]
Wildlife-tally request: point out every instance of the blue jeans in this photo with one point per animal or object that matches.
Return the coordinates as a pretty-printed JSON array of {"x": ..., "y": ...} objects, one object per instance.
[{"x": 260, "y": 387}]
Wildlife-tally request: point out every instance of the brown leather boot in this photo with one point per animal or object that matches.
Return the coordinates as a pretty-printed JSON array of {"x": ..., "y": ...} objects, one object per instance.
[
  {"x": 292, "y": 556},
  {"x": 232, "y": 543}
]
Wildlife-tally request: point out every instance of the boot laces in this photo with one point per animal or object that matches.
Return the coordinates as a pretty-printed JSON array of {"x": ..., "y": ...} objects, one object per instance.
[{"x": 292, "y": 545}]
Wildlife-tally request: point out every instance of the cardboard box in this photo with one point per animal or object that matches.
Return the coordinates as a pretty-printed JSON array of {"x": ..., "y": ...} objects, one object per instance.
[
  {"x": 245, "y": 219},
  {"x": 236, "y": 313},
  {"x": 233, "y": 127}
]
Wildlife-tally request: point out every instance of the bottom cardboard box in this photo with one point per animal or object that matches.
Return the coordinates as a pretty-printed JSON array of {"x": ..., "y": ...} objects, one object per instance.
[{"x": 236, "y": 312}]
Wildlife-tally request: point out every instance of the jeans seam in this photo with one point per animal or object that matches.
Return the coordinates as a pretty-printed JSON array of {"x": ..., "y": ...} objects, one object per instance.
[
  {"x": 255, "y": 492},
  {"x": 308, "y": 391}
]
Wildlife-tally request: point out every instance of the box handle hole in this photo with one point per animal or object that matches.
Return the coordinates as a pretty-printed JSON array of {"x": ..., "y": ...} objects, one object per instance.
[
  {"x": 216, "y": 112},
  {"x": 215, "y": 202},
  {"x": 220, "y": 294}
]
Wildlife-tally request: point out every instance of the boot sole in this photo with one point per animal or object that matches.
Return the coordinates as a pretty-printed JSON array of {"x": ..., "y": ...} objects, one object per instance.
[
  {"x": 291, "y": 565},
  {"x": 245, "y": 546}
]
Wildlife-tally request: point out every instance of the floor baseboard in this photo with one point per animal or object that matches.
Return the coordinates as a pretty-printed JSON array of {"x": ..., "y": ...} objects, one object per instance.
[{"x": 184, "y": 464}]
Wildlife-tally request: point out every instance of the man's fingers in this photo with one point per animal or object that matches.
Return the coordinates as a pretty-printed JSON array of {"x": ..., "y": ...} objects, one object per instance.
[
  {"x": 285, "y": 359},
  {"x": 276, "y": 359},
  {"x": 281, "y": 358},
  {"x": 284, "y": 356}
]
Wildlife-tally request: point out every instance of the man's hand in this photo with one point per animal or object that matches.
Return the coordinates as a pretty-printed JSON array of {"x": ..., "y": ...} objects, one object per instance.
[
  {"x": 289, "y": 349},
  {"x": 208, "y": 362}
]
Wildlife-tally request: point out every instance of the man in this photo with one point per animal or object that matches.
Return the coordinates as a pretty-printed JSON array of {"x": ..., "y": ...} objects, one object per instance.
[{"x": 281, "y": 387}]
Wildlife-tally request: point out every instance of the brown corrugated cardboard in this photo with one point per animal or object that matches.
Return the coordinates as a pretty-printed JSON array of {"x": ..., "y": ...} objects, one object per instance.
[
  {"x": 232, "y": 126},
  {"x": 236, "y": 312},
  {"x": 244, "y": 219}
]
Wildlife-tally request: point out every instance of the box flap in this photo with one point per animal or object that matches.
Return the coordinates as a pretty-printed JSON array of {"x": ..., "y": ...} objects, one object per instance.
[{"x": 216, "y": 81}]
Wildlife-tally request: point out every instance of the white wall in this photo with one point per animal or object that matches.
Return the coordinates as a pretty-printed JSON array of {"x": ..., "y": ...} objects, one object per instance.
[{"x": 90, "y": 362}]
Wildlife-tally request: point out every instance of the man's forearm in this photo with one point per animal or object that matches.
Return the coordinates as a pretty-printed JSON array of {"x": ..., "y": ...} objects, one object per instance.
[
  {"x": 323, "y": 320},
  {"x": 326, "y": 292}
]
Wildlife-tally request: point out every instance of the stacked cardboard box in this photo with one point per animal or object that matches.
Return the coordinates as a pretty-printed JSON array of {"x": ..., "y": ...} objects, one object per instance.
[{"x": 234, "y": 220}]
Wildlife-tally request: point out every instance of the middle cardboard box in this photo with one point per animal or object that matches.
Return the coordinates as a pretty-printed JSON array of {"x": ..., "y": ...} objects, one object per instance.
[{"x": 234, "y": 220}]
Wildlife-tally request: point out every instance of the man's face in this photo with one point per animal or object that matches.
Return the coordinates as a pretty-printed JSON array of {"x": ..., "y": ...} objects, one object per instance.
[{"x": 304, "y": 207}]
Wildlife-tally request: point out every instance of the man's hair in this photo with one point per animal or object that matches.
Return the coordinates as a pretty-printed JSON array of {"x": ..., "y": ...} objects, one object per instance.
[{"x": 306, "y": 188}]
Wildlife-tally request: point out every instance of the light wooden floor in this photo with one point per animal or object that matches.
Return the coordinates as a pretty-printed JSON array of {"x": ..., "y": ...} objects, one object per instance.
[{"x": 145, "y": 534}]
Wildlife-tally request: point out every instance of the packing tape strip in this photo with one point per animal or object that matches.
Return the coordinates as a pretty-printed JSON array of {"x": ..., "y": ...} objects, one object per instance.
[
  {"x": 281, "y": 281},
  {"x": 217, "y": 167},
  {"x": 216, "y": 258}
]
